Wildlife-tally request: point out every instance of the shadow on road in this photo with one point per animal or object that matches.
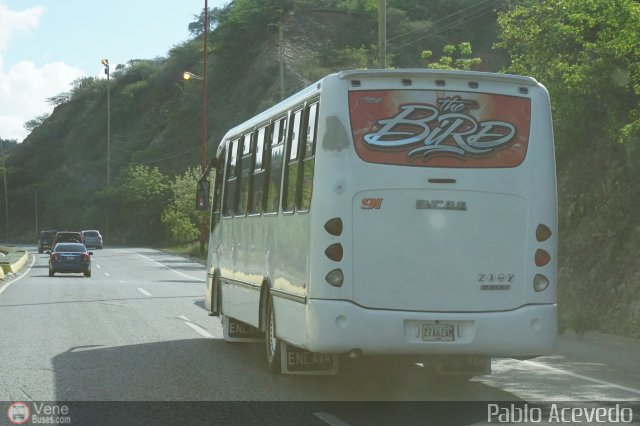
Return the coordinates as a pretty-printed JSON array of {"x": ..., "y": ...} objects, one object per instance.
[
  {"x": 211, "y": 369},
  {"x": 369, "y": 392}
]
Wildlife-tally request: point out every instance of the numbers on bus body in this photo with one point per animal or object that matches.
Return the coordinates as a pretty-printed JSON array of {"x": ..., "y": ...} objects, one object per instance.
[{"x": 370, "y": 203}]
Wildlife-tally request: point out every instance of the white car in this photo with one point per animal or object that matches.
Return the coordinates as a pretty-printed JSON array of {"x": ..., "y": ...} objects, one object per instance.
[{"x": 92, "y": 238}]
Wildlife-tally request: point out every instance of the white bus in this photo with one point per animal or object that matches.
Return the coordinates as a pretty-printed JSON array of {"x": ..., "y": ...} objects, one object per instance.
[{"x": 390, "y": 212}]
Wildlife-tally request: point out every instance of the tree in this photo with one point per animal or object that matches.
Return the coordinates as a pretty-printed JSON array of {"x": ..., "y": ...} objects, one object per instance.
[
  {"x": 587, "y": 53},
  {"x": 59, "y": 99},
  {"x": 33, "y": 123},
  {"x": 8, "y": 144},
  {"x": 464, "y": 60},
  {"x": 214, "y": 16},
  {"x": 181, "y": 218},
  {"x": 136, "y": 202}
]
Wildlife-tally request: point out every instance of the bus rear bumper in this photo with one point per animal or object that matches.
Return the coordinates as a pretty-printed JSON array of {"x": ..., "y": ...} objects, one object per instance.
[{"x": 341, "y": 326}]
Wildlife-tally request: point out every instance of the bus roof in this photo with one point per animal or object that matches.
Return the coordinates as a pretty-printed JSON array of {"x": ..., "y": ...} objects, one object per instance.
[{"x": 423, "y": 72}]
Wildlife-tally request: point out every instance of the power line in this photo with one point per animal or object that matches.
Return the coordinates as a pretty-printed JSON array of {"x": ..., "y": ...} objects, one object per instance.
[
  {"x": 476, "y": 14},
  {"x": 431, "y": 24},
  {"x": 159, "y": 160}
]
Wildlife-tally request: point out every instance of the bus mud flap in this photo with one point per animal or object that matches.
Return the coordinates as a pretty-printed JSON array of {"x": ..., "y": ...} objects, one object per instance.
[
  {"x": 301, "y": 361},
  {"x": 238, "y": 331}
]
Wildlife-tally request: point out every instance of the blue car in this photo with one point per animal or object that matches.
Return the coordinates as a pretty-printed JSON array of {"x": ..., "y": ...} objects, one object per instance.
[{"x": 69, "y": 258}]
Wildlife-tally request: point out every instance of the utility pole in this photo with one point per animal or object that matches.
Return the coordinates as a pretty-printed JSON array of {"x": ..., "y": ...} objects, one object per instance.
[
  {"x": 281, "y": 40},
  {"x": 281, "y": 29},
  {"x": 204, "y": 88},
  {"x": 382, "y": 33},
  {"x": 6, "y": 195},
  {"x": 35, "y": 199},
  {"x": 203, "y": 227}
]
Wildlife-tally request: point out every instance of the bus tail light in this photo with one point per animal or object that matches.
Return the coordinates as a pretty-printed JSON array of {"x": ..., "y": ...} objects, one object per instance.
[
  {"x": 542, "y": 257},
  {"x": 540, "y": 282},
  {"x": 334, "y": 226},
  {"x": 335, "y": 278},
  {"x": 334, "y": 252},
  {"x": 543, "y": 233}
]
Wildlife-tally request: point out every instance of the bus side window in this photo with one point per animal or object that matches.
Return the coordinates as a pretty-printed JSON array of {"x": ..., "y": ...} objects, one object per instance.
[
  {"x": 292, "y": 165},
  {"x": 228, "y": 205},
  {"x": 217, "y": 191},
  {"x": 257, "y": 190},
  {"x": 244, "y": 169},
  {"x": 309, "y": 157},
  {"x": 274, "y": 167}
]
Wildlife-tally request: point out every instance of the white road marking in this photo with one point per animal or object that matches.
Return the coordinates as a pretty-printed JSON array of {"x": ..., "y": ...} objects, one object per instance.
[
  {"x": 145, "y": 292},
  {"x": 99, "y": 267},
  {"x": 579, "y": 376},
  {"x": 122, "y": 282},
  {"x": 330, "y": 419},
  {"x": 107, "y": 274},
  {"x": 197, "y": 328},
  {"x": 164, "y": 266},
  {"x": 6, "y": 286}
]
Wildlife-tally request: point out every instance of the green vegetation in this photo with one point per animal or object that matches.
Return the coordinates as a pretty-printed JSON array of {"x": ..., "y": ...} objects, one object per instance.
[
  {"x": 464, "y": 61},
  {"x": 586, "y": 52}
]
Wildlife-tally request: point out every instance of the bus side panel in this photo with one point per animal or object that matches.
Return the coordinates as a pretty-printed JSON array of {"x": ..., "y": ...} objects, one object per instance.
[
  {"x": 332, "y": 186},
  {"x": 241, "y": 279},
  {"x": 288, "y": 263}
]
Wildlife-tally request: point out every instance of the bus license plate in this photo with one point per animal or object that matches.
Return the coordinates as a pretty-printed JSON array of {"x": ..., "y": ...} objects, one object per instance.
[{"x": 437, "y": 333}]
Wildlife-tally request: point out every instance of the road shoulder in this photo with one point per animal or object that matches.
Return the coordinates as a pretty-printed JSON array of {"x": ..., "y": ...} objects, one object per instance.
[
  {"x": 13, "y": 260},
  {"x": 594, "y": 346}
]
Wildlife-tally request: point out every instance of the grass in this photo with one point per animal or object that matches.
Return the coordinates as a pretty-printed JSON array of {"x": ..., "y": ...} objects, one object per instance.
[{"x": 189, "y": 249}]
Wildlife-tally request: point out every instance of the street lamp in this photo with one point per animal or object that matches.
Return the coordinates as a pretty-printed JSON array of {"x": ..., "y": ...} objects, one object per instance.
[
  {"x": 105, "y": 62},
  {"x": 188, "y": 76}
]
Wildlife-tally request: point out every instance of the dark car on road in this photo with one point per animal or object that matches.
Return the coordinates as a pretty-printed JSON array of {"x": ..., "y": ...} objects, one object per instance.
[
  {"x": 45, "y": 240},
  {"x": 66, "y": 237},
  {"x": 69, "y": 258},
  {"x": 92, "y": 238}
]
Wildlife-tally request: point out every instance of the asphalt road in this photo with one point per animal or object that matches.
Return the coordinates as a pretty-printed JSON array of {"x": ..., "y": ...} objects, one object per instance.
[{"x": 137, "y": 330}]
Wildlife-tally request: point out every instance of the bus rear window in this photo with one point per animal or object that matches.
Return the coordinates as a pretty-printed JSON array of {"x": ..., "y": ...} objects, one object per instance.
[{"x": 440, "y": 129}]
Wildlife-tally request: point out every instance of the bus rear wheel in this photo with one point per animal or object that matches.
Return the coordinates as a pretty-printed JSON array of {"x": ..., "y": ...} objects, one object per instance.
[{"x": 272, "y": 344}]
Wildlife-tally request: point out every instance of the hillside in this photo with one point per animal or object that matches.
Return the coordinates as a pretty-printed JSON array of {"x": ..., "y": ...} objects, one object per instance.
[
  {"x": 155, "y": 123},
  {"x": 599, "y": 275}
]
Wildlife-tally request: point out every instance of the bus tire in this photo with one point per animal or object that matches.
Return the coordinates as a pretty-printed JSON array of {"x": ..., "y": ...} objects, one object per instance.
[
  {"x": 216, "y": 307},
  {"x": 272, "y": 343}
]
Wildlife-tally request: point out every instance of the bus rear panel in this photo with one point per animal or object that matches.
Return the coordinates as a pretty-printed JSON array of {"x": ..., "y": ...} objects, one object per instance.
[{"x": 445, "y": 185}]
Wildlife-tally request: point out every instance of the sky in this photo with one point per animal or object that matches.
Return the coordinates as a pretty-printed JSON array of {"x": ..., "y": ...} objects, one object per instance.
[{"x": 47, "y": 44}]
